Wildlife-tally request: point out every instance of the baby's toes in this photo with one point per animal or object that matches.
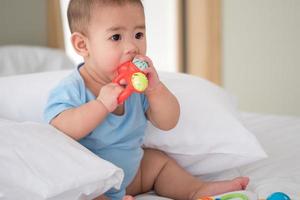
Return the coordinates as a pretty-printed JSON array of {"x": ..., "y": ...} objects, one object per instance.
[{"x": 242, "y": 181}]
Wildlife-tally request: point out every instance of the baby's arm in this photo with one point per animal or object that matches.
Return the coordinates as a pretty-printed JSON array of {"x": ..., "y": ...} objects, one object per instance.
[
  {"x": 79, "y": 122},
  {"x": 164, "y": 110}
]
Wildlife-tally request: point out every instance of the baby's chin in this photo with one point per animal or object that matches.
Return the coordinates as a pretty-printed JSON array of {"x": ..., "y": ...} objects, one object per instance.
[{"x": 112, "y": 75}]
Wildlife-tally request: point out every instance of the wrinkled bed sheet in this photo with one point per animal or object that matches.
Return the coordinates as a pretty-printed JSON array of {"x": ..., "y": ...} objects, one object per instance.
[{"x": 280, "y": 172}]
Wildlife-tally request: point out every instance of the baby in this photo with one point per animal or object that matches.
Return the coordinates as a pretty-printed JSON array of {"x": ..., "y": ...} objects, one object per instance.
[{"x": 84, "y": 105}]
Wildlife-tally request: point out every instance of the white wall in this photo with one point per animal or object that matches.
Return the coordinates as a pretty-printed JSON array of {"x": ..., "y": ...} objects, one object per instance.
[
  {"x": 161, "y": 25},
  {"x": 161, "y": 22},
  {"x": 261, "y": 49}
]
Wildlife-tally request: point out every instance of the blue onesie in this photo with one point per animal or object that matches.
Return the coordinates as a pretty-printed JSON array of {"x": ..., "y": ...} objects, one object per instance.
[{"x": 117, "y": 139}]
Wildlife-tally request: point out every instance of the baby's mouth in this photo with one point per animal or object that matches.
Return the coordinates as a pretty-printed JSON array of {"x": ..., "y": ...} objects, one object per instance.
[{"x": 123, "y": 83}]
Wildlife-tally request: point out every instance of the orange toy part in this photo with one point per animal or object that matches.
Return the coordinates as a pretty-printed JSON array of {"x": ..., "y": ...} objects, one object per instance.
[
  {"x": 206, "y": 198},
  {"x": 131, "y": 74}
]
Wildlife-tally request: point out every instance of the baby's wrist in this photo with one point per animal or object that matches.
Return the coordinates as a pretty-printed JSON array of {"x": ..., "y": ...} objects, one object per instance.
[
  {"x": 100, "y": 102},
  {"x": 154, "y": 89}
]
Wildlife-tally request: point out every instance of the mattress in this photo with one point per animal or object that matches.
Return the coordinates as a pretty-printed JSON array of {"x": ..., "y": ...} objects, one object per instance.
[{"x": 280, "y": 172}]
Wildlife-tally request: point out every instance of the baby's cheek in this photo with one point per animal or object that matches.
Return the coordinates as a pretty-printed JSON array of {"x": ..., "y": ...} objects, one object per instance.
[{"x": 109, "y": 63}]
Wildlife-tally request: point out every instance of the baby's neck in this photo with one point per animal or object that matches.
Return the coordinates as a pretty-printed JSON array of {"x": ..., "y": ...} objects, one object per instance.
[{"x": 92, "y": 80}]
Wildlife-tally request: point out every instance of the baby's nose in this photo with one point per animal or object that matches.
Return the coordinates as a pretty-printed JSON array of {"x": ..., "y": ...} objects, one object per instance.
[{"x": 131, "y": 49}]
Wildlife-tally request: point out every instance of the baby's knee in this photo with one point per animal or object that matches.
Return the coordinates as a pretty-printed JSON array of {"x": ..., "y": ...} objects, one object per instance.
[{"x": 157, "y": 155}]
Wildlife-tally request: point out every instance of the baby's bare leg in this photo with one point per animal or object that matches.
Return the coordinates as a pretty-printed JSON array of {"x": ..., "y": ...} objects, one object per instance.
[
  {"x": 158, "y": 172},
  {"x": 168, "y": 179}
]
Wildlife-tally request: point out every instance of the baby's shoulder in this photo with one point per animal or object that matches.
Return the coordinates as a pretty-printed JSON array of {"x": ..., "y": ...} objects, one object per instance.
[{"x": 72, "y": 81}]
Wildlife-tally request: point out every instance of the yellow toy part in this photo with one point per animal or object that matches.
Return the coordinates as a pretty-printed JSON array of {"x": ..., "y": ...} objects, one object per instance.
[{"x": 139, "y": 81}]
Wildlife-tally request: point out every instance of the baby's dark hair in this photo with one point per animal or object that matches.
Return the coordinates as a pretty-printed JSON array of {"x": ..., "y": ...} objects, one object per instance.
[{"x": 79, "y": 11}]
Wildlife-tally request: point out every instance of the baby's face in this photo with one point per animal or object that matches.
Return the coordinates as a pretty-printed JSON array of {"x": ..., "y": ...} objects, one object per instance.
[{"x": 116, "y": 34}]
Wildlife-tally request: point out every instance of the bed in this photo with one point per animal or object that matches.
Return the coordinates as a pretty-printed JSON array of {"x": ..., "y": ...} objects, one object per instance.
[
  {"x": 278, "y": 135},
  {"x": 18, "y": 59}
]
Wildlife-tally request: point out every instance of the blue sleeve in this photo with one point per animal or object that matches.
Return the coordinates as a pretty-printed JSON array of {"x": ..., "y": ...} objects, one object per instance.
[
  {"x": 145, "y": 102},
  {"x": 64, "y": 96}
]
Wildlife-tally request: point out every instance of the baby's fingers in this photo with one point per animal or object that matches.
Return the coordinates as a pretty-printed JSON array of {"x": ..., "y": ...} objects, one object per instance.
[{"x": 118, "y": 89}]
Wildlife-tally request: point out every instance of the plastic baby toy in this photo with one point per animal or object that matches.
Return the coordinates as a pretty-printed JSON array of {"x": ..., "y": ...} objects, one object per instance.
[
  {"x": 232, "y": 196},
  {"x": 237, "y": 195},
  {"x": 135, "y": 78},
  {"x": 247, "y": 195},
  {"x": 278, "y": 196}
]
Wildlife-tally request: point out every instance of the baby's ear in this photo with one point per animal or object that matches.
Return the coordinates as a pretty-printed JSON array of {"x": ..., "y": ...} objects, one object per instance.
[{"x": 79, "y": 42}]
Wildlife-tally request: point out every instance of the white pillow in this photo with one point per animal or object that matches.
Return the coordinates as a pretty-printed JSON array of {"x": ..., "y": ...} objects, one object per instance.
[
  {"x": 209, "y": 136},
  {"x": 16, "y": 59},
  {"x": 24, "y": 97},
  {"x": 38, "y": 162}
]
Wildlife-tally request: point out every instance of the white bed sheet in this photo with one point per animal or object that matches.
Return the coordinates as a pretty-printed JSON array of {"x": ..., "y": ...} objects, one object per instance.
[{"x": 280, "y": 172}]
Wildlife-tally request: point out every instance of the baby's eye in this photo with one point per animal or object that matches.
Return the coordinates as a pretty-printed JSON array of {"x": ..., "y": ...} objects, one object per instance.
[
  {"x": 116, "y": 37},
  {"x": 139, "y": 35}
]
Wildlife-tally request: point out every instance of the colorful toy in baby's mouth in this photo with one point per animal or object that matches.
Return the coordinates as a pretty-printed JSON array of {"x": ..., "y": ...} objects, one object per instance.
[{"x": 136, "y": 80}]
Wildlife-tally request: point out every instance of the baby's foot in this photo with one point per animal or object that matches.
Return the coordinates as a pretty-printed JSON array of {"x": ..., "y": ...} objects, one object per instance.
[
  {"x": 128, "y": 197},
  {"x": 219, "y": 187}
]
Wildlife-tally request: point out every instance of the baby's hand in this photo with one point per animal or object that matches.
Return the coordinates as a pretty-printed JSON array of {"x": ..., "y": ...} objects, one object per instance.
[
  {"x": 150, "y": 72},
  {"x": 108, "y": 96}
]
